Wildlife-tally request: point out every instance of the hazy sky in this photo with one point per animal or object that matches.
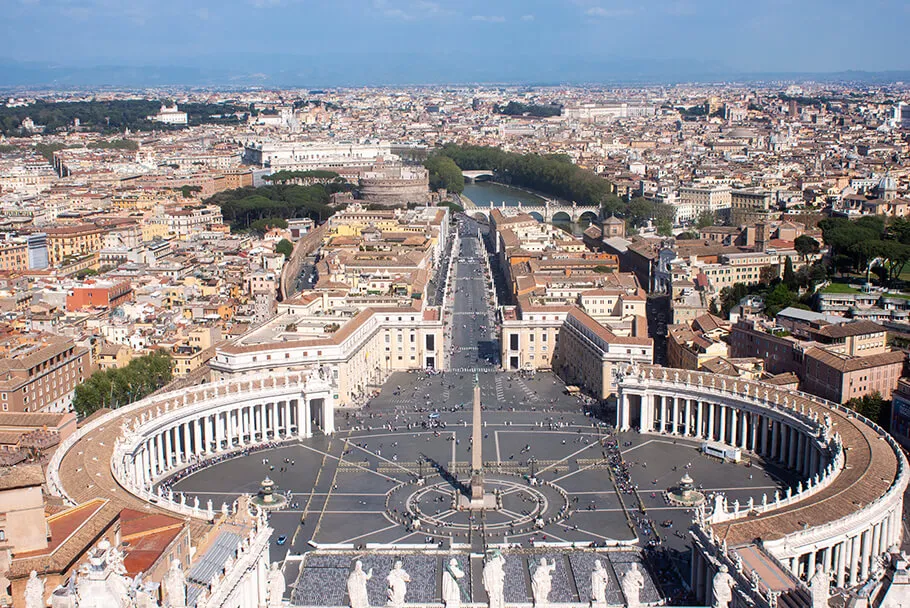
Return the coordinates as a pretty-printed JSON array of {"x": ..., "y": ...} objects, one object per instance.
[{"x": 738, "y": 35}]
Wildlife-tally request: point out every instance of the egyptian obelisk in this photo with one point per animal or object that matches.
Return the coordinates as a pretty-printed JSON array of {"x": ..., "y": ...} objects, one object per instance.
[{"x": 476, "y": 451}]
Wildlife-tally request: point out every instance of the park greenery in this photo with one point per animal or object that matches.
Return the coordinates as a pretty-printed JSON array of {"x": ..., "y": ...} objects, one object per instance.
[
  {"x": 516, "y": 108},
  {"x": 110, "y": 116},
  {"x": 114, "y": 144},
  {"x": 855, "y": 245},
  {"x": 444, "y": 173},
  {"x": 260, "y": 227},
  {"x": 315, "y": 174},
  {"x": 113, "y": 388},
  {"x": 778, "y": 293},
  {"x": 243, "y": 206},
  {"x": 554, "y": 176}
]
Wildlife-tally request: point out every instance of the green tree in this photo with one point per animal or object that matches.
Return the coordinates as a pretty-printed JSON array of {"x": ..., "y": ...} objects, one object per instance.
[
  {"x": 705, "y": 220},
  {"x": 806, "y": 246},
  {"x": 664, "y": 227},
  {"x": 790, "y": 276},
  {"x": 873, "y": 407},
  {"x": 284, "y": 246},
  {"x": 444, "y": 173},
  {"x": 115, "y": 387},
  {"x": 777, "y": 299},
  {"x": 264, "y": 225}
]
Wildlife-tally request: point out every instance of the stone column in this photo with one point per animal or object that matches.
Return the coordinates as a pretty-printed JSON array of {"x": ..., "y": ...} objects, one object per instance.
[
  {"x": 810, "y": 569},
  {"x": 700, "y": 418},
  {"x": 710, "y": 421},
  {"x": 744, "y": 430},
  {"x": 734, "y": 414},
  {"x": 792, "y": 441},
  {"x": 688, "y": 425},
  {"x": 161, "y": 457},
  {"x": 723, "y": 423},
  {"x": 287, "y": 418},
  {"x": 866, "y": 554},
  {"x": 840, "y": 550},
  {"x": 763, "y": 433},
  {"x": 800, "y": 452},
  {"x": 300, "y": 405},
  {"x": 220, "y": 430},
  {"x": 753, "y": 427},
  {"x": 854, "y": 559},
  {"x": 647, "y": 414},
  {"x": 663, "y": 413},
  {"x": 674, "y": 416},
  {"x": 775, "y": 439},
  {"x": 199, "y": 448},
  {"x": 876, "y": 539},
  {"x": 814, "y": 467},
  {"x": 168, "y": 449}
]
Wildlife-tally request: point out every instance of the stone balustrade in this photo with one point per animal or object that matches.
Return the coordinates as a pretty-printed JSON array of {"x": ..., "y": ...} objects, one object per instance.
[{"x": 853, "y": 474}]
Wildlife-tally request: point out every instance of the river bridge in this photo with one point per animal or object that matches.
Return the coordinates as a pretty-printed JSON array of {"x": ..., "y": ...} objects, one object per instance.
[{"x": 549, "y": 211}]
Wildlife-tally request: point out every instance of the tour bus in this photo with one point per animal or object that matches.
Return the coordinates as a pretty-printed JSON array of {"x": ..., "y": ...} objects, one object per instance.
[{"x": 724, "y": 452}]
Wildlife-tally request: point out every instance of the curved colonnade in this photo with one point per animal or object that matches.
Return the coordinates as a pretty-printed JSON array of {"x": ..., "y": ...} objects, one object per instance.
[
  {"x": 159, "y": 436},
  {"x": 844, "y": 511}
]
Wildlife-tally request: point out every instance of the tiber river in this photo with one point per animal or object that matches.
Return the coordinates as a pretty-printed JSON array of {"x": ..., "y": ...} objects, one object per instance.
[{"x": 484, "y": 192}]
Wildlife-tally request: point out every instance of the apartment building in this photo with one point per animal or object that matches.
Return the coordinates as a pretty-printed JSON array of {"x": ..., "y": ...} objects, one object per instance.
[
  {"x": 357, "y": 353},
  {"x": 73, "y": 241},
  {"x": 697, "y": 199},
  {"x": 586, "y": 353},
  {"x": 750, "y": 205},
  {"x": 846, "y": 363},
  {"x": 40, "y": 373},
  {"x": 185, "y": 221},
  {"x": 99, "y": 294}
]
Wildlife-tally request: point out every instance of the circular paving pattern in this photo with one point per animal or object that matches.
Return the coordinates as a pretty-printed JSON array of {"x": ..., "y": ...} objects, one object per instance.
[{"x": 432, "y": 507}]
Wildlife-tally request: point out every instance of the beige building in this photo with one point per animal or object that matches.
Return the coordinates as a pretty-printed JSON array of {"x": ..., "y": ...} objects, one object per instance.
[
  {"x": 749, "y": 205},
  {"x": 73, "y": 241},
  {"x": 357, "y": 354},
  {"x": 586, "y": 353},
  {"x": 23, "y": 527},
  {"x": 39, "y": 373}
]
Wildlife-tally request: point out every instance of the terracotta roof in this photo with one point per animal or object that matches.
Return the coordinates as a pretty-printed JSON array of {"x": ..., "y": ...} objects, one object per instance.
[
  {"x": 854, "y": 328},
  {"x": 21, "y": 476},
  {"x": 846, "y": 363}
]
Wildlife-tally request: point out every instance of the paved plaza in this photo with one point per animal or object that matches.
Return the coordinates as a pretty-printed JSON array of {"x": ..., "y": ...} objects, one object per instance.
[{"x": 386, "y": 484}]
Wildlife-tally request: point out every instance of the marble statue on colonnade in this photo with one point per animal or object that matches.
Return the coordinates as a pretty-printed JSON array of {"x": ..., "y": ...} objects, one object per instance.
[
  {"x": 599, "y": 581},
  {"x": 276, "y": 586},
  {"x": 541, "y": 582},
  {"x": 398, "y": 588},
  {"x": 820, "y": 587},
  {"x": 174, "y": 584},
  {"x": 722, "y": 588},
  {"x": 357, "y": 586},
  {"x": 451, "y": 591},
  {"x": 494, "y": 579},
  {"x": 34, "y": 591},
  {"x": 632, "y": 584}
]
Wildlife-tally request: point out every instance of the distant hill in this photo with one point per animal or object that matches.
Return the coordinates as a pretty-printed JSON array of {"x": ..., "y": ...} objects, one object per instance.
[{"x": 402, "y": 69}]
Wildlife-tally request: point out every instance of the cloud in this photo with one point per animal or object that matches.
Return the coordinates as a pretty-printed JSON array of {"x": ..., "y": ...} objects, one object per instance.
[
  {"x": 527, "y": 17},
  {"x": 488, "y": 18},
  {"x": 599, "y": 11},
  {"x": 202, "y": 13},
  {"x": 265, "y": 3}
]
